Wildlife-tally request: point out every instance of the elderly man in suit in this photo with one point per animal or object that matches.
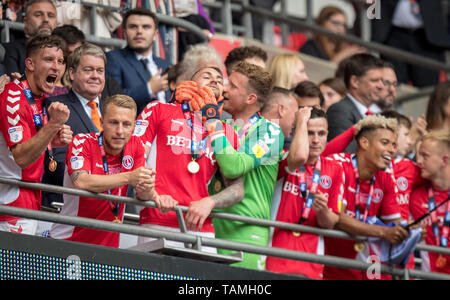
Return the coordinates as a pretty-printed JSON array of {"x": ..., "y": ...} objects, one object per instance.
[
  {"x": 363, "y": 77},
  {"x": 40, "y": 16},
  {"x": 135, "y": 68},
  {"x": 86, "y": 67}
]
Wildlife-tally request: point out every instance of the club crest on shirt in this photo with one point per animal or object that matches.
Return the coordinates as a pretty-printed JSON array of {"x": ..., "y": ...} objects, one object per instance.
[
  {"x": 76, "y": 162},
  {"x": 15, "y": 134},
  {"x": 377, "y": 195},
  {"x": 325, "y": 181},
  {"x": 402, "y": 183},
  {"x": 127, "y": 162}
]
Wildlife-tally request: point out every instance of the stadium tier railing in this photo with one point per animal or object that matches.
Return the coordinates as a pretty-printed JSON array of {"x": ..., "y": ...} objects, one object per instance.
[{"x": 212, "y": 242}]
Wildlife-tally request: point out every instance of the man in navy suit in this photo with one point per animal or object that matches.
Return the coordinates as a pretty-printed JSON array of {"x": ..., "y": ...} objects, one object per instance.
[
  {"x": 86, "y": 67},
  {"x": 363, "y": 77},
  {"x": 135, "y": 68}
]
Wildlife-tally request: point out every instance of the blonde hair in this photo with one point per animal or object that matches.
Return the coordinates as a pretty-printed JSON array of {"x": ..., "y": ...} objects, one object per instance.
[
  {"x": 441, "y": 136},
  {"x": 282, "y": 68},
  {"x": 119, "y": 100},
  {"x": 371, "y": 123}
]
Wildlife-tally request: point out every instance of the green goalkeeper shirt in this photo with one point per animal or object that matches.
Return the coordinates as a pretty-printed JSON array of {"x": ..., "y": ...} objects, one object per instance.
[{"x": 256, "y": 160}]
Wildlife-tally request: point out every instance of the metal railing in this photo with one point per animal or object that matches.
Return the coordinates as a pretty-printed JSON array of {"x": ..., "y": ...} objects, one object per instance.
[{"x": 213, "y": 242}]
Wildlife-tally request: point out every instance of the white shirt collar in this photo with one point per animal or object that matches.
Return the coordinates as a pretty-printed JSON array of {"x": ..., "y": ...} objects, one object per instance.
[
  {"x": 85, "y": 101},
  {"x": 361, "y": 107}
]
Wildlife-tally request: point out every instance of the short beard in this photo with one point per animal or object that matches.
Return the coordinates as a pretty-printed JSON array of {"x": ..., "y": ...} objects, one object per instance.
[{"x": 141, "y": 50}]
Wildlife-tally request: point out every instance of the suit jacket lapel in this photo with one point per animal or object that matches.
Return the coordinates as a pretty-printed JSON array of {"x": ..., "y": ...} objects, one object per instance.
[
  {"x": 130, "y": 57},
  {"x": 78, "y": 109},
  {"x": 354, "y": 109}
]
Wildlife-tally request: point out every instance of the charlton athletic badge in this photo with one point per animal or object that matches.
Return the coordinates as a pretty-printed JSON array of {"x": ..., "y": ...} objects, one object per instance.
[{"x": 127, "y": 162}]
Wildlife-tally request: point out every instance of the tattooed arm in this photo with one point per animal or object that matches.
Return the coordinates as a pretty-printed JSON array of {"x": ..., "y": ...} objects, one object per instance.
[{"x": 199, "y": 210}]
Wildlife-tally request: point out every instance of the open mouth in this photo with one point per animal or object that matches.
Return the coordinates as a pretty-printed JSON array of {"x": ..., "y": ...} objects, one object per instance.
[
  {"x": 51, "y": 79},
  {"x": 387, "y": 158}
]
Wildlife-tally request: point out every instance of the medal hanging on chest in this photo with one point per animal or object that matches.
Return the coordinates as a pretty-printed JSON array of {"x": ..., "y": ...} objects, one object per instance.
[
  {"x": 40, "y": 118},
  {"x": 198, "y": 138}
]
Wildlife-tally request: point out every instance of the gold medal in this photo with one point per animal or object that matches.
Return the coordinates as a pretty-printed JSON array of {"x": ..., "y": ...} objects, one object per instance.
[
  {"x": 217, "y": 186},
  {"x": 52, "y": 165},
  {"x": 359, "y": 247},
  {"x": 193, "y": 167},
  {"x": 117, "y": 220},
  {"x": 296, "y": 233},
  {"x": 441, "y": 262}
]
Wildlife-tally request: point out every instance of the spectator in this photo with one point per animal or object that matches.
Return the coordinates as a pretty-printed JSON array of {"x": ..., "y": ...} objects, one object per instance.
[
  {"x": 135, "y": 68},
  {"x": 188, "y": 10},
  {"x": 438, "y": 111},
  {"x": 308, "y": 94},
  {"x": 334, "y": 19},
  {"x": 86, "y": 70},
  {"x": 416, "y": 26},
  {"x": 12, "y": 10},
  {"x": 251, "y": 54},
  {"x": 333, "y": 90},
  {"x": 197, "y": 57},
  {"x": 372, "y": 188},
  {"x": 122, "y": 157},
  {"x": 40, "y": 16},
  {"x": 25, "y": 128},
  {"x": 171, "y": 130},
  {"x": 287, "y": 70},
  {"x": 74, "y": 38},
  {"x": 389, "y": 94},
  {"x": 327, "y": 189},
  {"x": 433, "y": 161},
  {"x": 363, "y": 77},
  {"x": 79, "y": 15},
  {"x": 256, "y": 159}
]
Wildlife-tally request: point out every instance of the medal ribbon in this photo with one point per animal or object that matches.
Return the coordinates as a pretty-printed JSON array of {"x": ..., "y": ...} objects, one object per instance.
[
  {"x": 358, "y": 192},
  {"x": 39, "y": 119},
  {"x": 309, "y": 195},
  {"x": 242, "y": 133},
  {"x": 440, "y": 240},
  {"x": 101, "y": 144},
  {"x": 198, "y": 145}
]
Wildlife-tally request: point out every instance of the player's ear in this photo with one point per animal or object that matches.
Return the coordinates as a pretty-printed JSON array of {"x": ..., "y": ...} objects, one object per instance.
[{"x": 29, "y": 64}]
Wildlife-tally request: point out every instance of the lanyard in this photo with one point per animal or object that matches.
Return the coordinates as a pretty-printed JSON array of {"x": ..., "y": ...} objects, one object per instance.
[
  {"x": 198, "y": 137},
  {"x": 358, "y": 192},
  {"x": 309, "y": 195},
  {"x": 443, "y": 240},
  {"x": 242, "y": 133},
  {"x": 101, "y": 144},
  {"x": 39, "y": 119}
]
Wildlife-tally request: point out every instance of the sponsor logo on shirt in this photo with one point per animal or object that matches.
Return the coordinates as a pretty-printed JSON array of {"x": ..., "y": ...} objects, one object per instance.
[
  {"x": 15, "y": 134},
  {"x": 77, "y": 162},
  {"x": 141, "y": 127}
]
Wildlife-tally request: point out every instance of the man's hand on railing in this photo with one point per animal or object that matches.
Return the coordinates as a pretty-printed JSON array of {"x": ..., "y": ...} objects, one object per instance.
[{"x": 197, "y": 213}]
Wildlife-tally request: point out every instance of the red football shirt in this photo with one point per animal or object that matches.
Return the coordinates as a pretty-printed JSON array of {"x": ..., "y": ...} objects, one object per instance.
[
  {"x": 419, "y": 206},
  {"x": 331, "y": 184},
  {"x": 17, "y": 126},
  {"x": 163, "y": 127},
  {"x": 383, "y": 206},
  {"x": 84, "y": 154}
]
